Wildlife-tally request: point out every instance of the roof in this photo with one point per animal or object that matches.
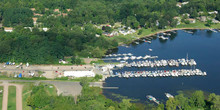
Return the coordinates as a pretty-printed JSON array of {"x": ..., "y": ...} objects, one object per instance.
[
  {"x": 190, "y": 19},
  {"x": 37, "y": 14},
  {"x": 79, "y": 73},
  {"x": 34, "y": 19},
  {"x": 33, "y": 9},
  {"x": 69, "y": 10},
  {"x": 8, "y": 28},
  {"x": 64, "y": 14},
  {"x": 56, "y": 10}
]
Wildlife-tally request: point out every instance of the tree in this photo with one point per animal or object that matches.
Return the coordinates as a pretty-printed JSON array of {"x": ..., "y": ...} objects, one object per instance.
[
  {"x": 209, "y": 23},
  {"x": 197, "y": 99},
  {"x": 215, "y": 101},
  {"x": 84, "y": 82},
  {"x": 171, "y": 104},
  {"x": 160, "y": 107},
  {"x": 182, "y": 102},
  {"x": 140, "y": 31}
]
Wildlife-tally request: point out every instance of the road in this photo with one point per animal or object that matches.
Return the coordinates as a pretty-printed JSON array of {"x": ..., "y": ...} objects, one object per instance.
[{"x": 5, "y": 84}]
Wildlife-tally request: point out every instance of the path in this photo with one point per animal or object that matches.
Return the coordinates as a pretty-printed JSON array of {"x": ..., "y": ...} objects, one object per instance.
[
  {"x": 5, "y": 84},
  {"x": 5, "y": 96}
]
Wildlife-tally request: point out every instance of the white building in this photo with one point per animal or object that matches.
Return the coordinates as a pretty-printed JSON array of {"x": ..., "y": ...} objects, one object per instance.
[
  {"x": 45, "y": 29},
  {"x": 8, "y": 29},
  {"x": 79, "y": 74}
]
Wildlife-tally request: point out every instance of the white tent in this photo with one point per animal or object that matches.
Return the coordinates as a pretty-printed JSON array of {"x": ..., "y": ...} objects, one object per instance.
[{"x": 79, "y": 74}]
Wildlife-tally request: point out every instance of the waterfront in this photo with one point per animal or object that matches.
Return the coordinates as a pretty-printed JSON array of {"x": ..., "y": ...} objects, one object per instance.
[{"x": 202, "y": 45}]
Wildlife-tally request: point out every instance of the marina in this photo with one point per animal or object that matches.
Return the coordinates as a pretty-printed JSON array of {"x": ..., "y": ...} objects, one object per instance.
[
  {"x": 202, "y": 47},
  {"x": 162, "y": 63},
  {"x": 160, "y": 73}
]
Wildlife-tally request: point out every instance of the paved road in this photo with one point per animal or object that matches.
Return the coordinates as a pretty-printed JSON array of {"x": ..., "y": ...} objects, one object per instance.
[{"x": 5, "y": 84}]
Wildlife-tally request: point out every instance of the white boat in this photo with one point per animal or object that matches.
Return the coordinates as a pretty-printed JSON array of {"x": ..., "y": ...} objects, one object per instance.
[
  {"x": 150, "y": 49},
  {"x": 169, "y": 95}
]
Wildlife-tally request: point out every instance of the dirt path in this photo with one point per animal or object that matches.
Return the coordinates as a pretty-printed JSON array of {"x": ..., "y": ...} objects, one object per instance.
[
  {"x": 5, "y": 97},
  {"x": 18, "y": 95}
]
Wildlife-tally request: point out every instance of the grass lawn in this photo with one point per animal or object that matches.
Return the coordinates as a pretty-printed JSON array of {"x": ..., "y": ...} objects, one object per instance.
[
  {"x": 1, "y": 97},
  {"x": 50, "y": 88},
  {"x": 25, "y": 93},
  {"x": 12, "y": 98}
]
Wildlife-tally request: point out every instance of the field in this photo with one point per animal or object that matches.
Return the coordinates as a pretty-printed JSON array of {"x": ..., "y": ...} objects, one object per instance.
[
  {"x": 12, "y": 98},
  {"x": 1, "y": 97}
]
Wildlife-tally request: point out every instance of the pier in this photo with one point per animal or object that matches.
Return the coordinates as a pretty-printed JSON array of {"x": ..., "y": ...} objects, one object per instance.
[{"x": 161, "y": 73}]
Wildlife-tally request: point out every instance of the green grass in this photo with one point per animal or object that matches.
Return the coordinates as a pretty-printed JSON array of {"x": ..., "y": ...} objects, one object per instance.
[
  {"x": 26, "y": 92},
  {"x": 1, "y": 97},
  {"x": 12, "y": 98},
  {"x": 51, "y": 89}
]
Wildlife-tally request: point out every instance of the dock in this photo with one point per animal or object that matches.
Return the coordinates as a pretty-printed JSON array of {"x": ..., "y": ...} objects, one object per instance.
[{"x": 109, "y": 87}]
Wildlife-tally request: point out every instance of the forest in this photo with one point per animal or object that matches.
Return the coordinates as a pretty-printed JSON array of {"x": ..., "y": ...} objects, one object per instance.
[
  {"x": 93, "y": 99},
  {"x": 75, "y": 34}
]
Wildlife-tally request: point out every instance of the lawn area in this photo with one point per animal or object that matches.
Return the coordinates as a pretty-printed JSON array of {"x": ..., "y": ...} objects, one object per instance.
[
  {"x": 12, "y": 98},
  {"x": 25, "y": 93},
  {"x": 50, "y": 89},
  {"x": 1, "y": 97}
]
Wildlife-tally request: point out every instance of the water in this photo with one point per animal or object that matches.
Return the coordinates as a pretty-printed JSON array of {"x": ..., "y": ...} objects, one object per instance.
[{"x": 202, "y": 45}]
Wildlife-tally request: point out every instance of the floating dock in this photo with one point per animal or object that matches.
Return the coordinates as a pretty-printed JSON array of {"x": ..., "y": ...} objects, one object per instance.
[{"x": 160, "y": 73}]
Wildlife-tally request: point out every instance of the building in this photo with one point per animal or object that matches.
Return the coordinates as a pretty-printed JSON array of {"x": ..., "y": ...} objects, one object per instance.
[
  {"x": 45, "y": 29},
  {"x": 178, "y": 20},
  {"x": 69, "y": 10},
  {"x": 34, "y": 20},
  {"x": 46, "y": 9},
  {"x": 78, "y": 74},
  {"x": 203, "y": 18},
  {"x": 215, "y": 21},
  {"x": 33, "y": 9},
  {"x": 64, "y": 14},
  {"x": 179, "y": 5},
  {"x": 192, "y": 20},
  {"x": 213, "y": 12},
  {"x": 36, "y": 14},
  {"x": 56, "y": 10},
  {"x": 8, "y": 29}
]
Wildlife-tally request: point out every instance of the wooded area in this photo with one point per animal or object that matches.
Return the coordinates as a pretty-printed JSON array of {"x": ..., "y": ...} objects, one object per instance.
[{"x": 75, "y": 34}]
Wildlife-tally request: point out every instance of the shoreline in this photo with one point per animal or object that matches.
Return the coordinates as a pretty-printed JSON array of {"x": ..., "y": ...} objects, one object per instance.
[{"x": 157, "y": 32}]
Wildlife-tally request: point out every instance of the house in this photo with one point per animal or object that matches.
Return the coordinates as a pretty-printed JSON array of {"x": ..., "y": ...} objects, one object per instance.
[
  {"x": 184, "y": 3},
  {"x": 8, "y": 29},
  {"x": 213, "y": 12},
  {"x": 203, "y": 18},
  {"x": 192, "y": 20},
  {"x": 186, "y": 14},
  {"x": 34, "y": 20},
  {"x": 178, "y": 20},
  {"x": 36, "y": 14},
  {"x": 179, "y": 4},
  {"x": 69, "y": 10},
  {"x": 30, "y": 28},
  {"x": 45, "y": 29},
  {"x": 56, "y": 10},
  {"x": 64, "y": 14},
  {"x": 33, "y": 9},
  {"x": 215, "y": 21},
  {"x": 201, "y": 12},
  {"x": 46, "y": 9}
]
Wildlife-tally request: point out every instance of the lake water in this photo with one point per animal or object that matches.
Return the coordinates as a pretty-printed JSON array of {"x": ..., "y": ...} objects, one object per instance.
[{"x": 202, "y": 45}]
